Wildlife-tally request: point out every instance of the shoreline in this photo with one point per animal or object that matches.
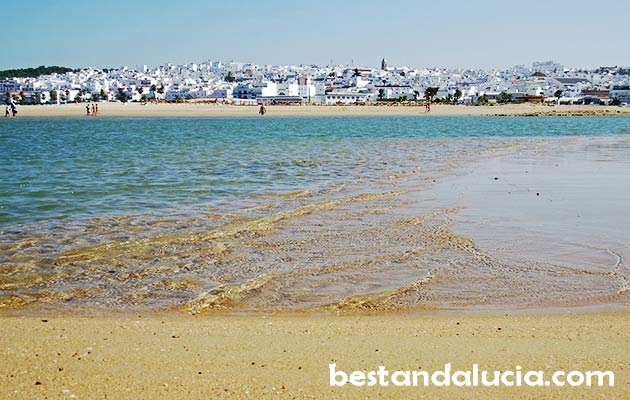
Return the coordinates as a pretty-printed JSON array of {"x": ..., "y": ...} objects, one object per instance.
[
  {"x": 48, "y": 353},
  {"x": 217, "y": 110},
  {"x": 438, "y": 288}
]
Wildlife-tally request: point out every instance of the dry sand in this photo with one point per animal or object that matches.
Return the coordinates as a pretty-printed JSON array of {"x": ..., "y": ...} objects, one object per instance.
[
  {"x": 203, "y": 109},
  {"x": 288, "y": 356}
]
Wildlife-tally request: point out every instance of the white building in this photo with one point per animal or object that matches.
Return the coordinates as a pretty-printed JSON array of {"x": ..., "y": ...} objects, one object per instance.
[
  {"x": 222, "y": 93},
  {"x": 394, "y": 92},
  {"x": 620, "y": 93},
  {"x": 9, "y": 85},
  {"x": 254, "y": 90},
  {"x": 348, "y": 97},
  {"x": 307, "y": 92},
  {"x": 288, "y": 89}
]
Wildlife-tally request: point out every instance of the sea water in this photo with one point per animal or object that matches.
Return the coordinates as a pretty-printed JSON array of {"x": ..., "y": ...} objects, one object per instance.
[{"x": 339, "y": 213}]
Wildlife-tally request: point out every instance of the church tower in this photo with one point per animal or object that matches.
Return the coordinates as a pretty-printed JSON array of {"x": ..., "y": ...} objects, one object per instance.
[{"x": 383, "y": 64}]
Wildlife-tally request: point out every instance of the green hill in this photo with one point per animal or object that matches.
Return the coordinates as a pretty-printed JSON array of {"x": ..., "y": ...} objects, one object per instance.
[{"x": 33, "y": 72}]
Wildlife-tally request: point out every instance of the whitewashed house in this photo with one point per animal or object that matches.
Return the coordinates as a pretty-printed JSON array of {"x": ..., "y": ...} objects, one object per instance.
[
  {"x": 222, "y": 93},
  {"x": 288, "y": 89},
  {"x": 348, "y": 97},
  {"x": 306, "y": 90},
  {"x": 393, "y": 92},
  {"x": 255, "y": 90}
]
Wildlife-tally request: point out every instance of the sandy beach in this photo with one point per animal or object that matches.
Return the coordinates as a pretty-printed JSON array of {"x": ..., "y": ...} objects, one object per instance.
[
  {"x": 236, "y": 354},
  {"x": 289, "y": 356},
  {"x": 204, "y": 109}
]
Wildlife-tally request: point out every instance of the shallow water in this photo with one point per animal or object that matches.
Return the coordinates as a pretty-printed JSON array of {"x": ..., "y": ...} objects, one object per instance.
[{"x": 339, "y": 213}]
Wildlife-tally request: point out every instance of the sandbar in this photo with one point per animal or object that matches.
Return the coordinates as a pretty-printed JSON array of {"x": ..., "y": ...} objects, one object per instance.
[{"x": 199, "y": 109}]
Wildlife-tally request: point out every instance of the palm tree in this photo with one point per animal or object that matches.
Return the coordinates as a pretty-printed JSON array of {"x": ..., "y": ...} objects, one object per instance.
[
  {"x": 153, "y": 89},
  {"x": 457, "y": 95},
  {"x": 430, "y": 93},
  {"x": 381, "y": 94},
  {"x": 416, "y": 95},
  {"x": 160, "y": 90},
  {"x": 122, "y": 95},
  {"x": 505, "y": 97},
  {"x": 482, "y": 99},
  {"x": 557, "y": 94}
]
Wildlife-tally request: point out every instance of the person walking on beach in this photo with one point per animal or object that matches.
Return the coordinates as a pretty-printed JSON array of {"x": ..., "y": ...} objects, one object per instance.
[
  {"x": 262, "y": 110},
  {"x": 13, "y": 108},
  {"x": 87, "y": 109},
  {"x": 94, "y": 110},
  {"x": 7, "y": 111}
]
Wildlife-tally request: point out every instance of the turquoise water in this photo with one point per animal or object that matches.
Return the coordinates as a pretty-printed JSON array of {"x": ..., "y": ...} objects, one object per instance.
[
  {"x": 59, "y": 168},
  {"x": 199, "y": 213}
]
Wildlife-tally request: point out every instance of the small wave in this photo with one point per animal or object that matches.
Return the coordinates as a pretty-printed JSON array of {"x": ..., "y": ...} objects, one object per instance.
[
  {"x": 379, "y": 301},
  {"x": 225, "y": 296},
  {"x": 619, "y": 273}
]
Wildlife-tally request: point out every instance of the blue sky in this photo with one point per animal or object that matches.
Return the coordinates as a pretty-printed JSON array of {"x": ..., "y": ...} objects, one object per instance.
[{"x": 416, "y": 33}]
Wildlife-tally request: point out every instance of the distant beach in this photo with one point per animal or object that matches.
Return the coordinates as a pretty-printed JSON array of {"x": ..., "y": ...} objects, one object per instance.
[{"x": 211, "y": 109}]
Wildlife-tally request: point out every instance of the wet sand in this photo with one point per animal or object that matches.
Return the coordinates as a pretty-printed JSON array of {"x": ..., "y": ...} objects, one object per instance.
[
  {"x": 521, "y": 227},
  {"x": 555, "y": 208},
  {"x": 288, "y": 356},
  {"x": 205, "y": 109}
]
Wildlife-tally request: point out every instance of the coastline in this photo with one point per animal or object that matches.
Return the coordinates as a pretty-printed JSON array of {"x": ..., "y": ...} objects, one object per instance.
[
  {"x": 217, "y": 110},
  {"x": 288, "y": 356}
]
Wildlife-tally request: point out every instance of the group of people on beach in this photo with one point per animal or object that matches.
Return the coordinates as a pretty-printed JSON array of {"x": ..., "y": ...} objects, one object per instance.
[
  {"x": 10, "y": 110},
  {"x": 93, "y": 108}
]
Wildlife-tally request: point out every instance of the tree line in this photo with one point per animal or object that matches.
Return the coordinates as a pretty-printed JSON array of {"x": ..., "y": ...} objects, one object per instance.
[
  {"x": 429, "y": 95},
  {"x": 34, "y": 72}
]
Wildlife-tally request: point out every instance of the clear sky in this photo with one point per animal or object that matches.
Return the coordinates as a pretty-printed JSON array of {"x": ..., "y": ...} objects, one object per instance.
[{"x": 416, "y": 33}]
